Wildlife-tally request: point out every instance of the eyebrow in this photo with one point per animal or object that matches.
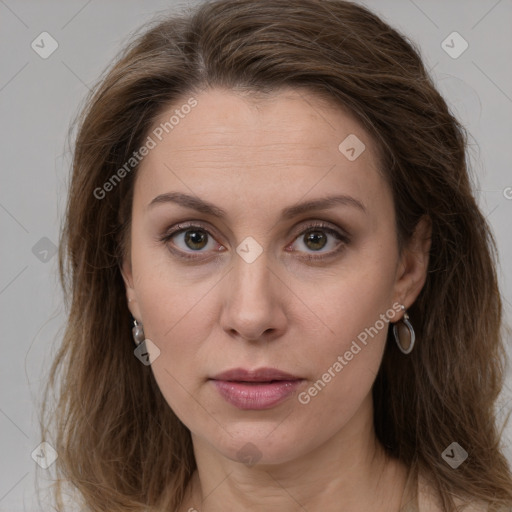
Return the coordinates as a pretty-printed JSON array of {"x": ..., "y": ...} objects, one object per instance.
[{"x": 195, "y": 203}]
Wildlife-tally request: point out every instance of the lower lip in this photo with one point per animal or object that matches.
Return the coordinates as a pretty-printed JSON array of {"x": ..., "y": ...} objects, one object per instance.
[{"x": 257, "y": 395}]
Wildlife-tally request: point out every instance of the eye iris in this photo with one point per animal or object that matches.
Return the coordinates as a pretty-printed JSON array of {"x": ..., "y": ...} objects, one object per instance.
[
  {"x": 317, "y": 238},
  {"x": 195, "y": 237}
]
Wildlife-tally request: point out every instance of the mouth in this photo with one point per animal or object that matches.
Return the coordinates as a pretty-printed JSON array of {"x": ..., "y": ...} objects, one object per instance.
[{"x": 259, "y": 389}]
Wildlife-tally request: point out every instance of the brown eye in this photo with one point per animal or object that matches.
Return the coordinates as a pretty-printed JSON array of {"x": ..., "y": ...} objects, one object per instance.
[
  {"x": 317, "y": 237},
  {"x": 190, "y": 241},
  {"x": 195, "y": 239},
  {"x": 315, "y": 240}
]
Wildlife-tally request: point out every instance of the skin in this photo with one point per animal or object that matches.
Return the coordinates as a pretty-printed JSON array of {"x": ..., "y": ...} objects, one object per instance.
[{"x": 254, "y": 157}]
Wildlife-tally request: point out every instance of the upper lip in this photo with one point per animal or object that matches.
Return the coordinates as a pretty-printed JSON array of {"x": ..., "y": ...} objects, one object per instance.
[{"x": 258, "y": 375}]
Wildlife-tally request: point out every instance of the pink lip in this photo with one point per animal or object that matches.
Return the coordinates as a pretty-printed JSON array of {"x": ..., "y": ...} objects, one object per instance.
[{"x": 258, "y": 389}]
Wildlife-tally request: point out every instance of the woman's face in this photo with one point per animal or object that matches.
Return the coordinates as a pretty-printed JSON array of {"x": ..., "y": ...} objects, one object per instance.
[{"x": 232, "y": 270}]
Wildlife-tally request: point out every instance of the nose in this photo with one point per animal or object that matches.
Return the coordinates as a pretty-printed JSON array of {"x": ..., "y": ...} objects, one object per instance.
[{"x": 254, "y": 297}]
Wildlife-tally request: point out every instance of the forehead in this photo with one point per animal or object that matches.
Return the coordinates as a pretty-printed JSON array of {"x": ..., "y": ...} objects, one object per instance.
[
  {"x": 286, "y": 116},
  {"x": 289, "y": 142}
]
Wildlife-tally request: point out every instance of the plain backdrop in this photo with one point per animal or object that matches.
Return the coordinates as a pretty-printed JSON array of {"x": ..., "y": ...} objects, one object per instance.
[{"x": 40, "y": 96}]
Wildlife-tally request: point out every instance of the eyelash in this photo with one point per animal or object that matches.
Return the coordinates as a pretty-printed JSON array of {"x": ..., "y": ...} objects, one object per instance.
[{"x": 316, "y": 226}]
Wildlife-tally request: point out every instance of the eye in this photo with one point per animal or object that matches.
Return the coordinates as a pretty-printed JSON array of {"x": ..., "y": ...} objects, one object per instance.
[
  {"x": 188, "y": 239},
  {"x": 320, "y": 236}
]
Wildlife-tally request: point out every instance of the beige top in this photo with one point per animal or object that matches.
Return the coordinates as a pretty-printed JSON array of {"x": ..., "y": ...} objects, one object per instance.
[{"x": 418, "y": 496}]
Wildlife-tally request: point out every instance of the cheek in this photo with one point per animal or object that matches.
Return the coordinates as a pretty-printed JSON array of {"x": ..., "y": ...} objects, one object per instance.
[
  {"x": 346, "y": 362},
  {"x": 167, "y": 297},
  {"x": 175, "y": 320},
  {"x": 355, "y": 310},
  {"x": 166, "y": 307},
  {"x": 351, "y": 301}
]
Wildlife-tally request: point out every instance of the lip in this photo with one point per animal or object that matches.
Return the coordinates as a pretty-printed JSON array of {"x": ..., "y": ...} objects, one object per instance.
[
  {"x": 258, "y": 389},
  {"x": 258, "y": 375}
]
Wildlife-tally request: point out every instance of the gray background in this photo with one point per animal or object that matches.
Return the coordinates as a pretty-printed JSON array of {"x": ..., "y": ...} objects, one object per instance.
[{"x": 39, "y": 97}]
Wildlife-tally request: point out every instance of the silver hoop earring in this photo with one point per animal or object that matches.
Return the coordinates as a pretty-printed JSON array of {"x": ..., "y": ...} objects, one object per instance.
[
  {"x": 403, "y": 332},
  {"x": 138, "y": 333}
]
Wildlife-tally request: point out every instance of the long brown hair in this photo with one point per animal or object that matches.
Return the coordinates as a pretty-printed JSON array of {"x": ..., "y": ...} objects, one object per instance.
[{"x": 119, "y": 443}]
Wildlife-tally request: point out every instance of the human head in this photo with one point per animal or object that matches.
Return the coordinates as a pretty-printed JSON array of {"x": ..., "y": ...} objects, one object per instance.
[{"x": 262, "y": 47}]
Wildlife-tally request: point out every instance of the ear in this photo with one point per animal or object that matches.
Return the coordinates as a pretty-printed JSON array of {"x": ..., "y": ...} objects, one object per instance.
[
  {"x": 131, "y": 295},
  {"x": 413, "y": 265}
]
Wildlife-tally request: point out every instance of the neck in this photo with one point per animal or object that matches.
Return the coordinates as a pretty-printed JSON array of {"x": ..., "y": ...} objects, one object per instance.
[{"x": 350, "y": 469}]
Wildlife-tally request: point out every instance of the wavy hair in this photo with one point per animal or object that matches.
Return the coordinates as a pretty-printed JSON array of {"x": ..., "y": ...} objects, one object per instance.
[{"x": 119, "y": 443}]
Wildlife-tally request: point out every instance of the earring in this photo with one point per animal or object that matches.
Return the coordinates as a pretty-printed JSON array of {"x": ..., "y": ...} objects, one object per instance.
[
  {"x": 403, "y": 332},
  {"x": 138, "y": 333}
]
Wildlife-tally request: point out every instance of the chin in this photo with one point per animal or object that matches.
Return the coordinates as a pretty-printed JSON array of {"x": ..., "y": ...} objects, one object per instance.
[{"x": 250, "y": 444}]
